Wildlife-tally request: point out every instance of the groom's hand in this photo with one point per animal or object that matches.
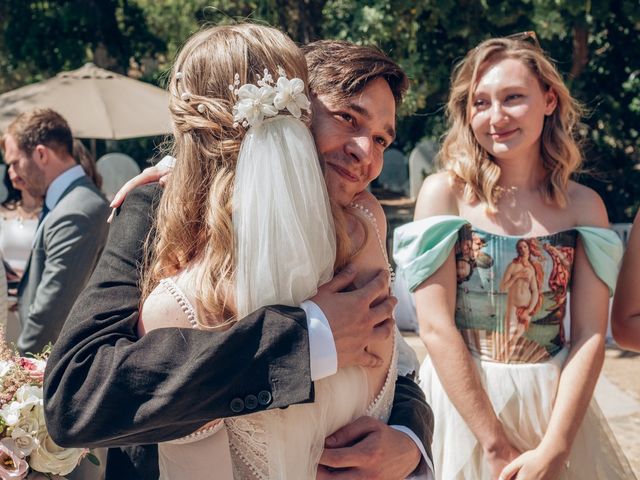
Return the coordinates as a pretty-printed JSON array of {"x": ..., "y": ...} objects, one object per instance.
[
  {"x": 357, "y": 317},
  {"x": 368, "y": 449}
]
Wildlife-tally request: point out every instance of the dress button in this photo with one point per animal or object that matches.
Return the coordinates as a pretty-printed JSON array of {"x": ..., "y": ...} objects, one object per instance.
[
  {"x": 236, "y": 405},
  {"x": 264, "y": 397},
  {"x": 251, "y": 402}
]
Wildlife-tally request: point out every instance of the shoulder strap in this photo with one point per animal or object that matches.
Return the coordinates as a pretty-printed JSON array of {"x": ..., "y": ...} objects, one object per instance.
[
  {"x": 420, "y": 248},
  {"x": 604, "y": 250},
  {"x": 177, "y": 293}
]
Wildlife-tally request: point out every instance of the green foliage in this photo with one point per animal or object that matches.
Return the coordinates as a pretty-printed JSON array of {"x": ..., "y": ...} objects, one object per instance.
[{"x": 594, "y": 42}]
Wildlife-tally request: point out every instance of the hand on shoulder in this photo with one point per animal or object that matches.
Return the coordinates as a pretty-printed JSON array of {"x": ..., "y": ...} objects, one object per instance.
[
  {"x": 438, "y": 196},
  {"x": 587, "y": 206}
]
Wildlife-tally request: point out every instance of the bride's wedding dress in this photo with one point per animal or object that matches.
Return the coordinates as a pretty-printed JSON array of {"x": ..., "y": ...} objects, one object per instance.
[{"x": 277, "y": 444}]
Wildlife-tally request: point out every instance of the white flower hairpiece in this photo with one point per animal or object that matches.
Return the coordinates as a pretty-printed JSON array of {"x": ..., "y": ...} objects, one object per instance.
[{"x": 267, "y": 99}]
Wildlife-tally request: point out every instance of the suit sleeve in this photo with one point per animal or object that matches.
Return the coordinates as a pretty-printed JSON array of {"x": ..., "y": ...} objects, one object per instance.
[
  {"x": 410, "y": 409},
  {"x": 105, "y": 387},
  {"x": 73, "y": 243}
]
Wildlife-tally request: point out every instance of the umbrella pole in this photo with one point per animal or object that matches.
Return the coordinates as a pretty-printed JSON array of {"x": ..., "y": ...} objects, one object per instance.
[{"x": 93, "y": 149}]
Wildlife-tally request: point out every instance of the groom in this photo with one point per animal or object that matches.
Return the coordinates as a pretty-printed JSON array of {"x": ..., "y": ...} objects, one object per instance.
[{"x": 101, "y": 380}]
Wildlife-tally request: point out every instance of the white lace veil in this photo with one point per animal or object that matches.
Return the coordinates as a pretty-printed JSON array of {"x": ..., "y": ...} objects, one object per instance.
[
  {"x": 285, "y": 236},
  {"x": 285, "y": 248}
]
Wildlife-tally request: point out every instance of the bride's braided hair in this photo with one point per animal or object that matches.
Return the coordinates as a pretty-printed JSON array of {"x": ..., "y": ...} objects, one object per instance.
[{"x": 194, "y": 220}]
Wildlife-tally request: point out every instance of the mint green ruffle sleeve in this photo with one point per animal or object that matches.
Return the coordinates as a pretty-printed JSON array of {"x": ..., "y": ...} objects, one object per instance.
[
  {"x": 421, "y": 247},
  {"x": 604, "y": 250}
]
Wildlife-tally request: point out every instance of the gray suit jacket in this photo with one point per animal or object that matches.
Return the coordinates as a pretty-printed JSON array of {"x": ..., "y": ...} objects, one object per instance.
[{"x": 65, "y": 251}]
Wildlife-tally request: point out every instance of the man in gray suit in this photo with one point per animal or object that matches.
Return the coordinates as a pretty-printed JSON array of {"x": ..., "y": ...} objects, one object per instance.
[{"x": 72, "y": 231}]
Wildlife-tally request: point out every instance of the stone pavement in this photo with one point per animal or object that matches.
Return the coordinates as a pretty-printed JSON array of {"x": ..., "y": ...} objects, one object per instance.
[{"x": 617, "y": 392}]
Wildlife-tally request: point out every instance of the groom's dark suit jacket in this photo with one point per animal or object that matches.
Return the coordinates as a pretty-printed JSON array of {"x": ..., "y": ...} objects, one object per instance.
[{"x": 104, "y": 386}]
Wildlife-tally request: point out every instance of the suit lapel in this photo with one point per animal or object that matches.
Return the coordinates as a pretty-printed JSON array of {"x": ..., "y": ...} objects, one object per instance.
[{"x": 40, "y": 232}]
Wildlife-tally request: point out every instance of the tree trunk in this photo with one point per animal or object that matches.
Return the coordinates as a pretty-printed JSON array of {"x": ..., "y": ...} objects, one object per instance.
[{"x": 580, "y": 50}]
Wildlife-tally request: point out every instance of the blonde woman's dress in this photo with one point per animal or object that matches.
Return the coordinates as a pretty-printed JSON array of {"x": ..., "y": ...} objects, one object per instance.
[{"x": 510, "y": 303}]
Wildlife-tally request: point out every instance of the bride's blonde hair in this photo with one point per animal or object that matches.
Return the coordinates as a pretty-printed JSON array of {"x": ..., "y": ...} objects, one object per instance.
[
  {"x": 470, "y": 164},
  {"x": 194, "y": 218}
]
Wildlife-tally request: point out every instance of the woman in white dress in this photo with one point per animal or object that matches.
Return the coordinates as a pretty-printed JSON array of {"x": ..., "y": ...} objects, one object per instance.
[
  {"x": 18, "y": 223},
  {"x": 245, "y": 221}
]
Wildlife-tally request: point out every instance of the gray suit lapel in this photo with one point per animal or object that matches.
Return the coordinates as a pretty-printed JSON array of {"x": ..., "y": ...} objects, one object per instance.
[{"x": 84, "y": 180}]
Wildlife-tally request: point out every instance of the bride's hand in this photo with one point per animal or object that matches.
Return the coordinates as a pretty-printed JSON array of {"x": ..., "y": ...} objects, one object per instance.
[{"x": 158, "y": 173}]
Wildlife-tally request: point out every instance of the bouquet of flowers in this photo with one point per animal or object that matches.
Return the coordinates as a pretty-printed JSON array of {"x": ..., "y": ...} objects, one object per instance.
[{"x": 25, "y": 444}]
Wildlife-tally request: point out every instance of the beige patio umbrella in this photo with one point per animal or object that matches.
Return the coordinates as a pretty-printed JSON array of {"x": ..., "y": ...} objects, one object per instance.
[{"x": 97, "y": 103}]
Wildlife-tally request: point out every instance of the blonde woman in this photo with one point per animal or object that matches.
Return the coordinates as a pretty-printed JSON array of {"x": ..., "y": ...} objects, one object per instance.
[
  {"x": 245, "y": 221},
  {"x": 523, "y": 412}
]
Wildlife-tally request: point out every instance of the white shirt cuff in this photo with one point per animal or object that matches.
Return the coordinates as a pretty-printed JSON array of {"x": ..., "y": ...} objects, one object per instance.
[
  {"x": 425, "y": 467},
  {"x": 322, "y": 347}
]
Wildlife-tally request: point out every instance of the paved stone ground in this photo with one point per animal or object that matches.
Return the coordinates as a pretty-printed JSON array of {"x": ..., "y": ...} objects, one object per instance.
[
  {"x": 621, "y": 404},
  {"x": 617, "y": 392}
]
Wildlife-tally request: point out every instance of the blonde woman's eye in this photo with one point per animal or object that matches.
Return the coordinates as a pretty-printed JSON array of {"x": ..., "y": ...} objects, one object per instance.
[
  {"x": 479, "y": 103},
  {"x": 514, "y": 96}
]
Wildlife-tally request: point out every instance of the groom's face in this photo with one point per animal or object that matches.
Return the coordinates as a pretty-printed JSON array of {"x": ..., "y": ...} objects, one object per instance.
[{"x": 351, "y": 136}]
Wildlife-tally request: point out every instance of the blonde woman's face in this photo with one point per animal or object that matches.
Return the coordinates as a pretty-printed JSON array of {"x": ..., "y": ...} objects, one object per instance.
[{"x": 508, "y": 110}]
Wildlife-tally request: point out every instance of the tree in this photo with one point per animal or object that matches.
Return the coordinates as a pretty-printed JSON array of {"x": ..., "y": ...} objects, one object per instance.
[{"x": 594, "y": 44}]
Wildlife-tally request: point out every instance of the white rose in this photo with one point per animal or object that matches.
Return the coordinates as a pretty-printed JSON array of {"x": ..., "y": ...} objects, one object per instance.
[
  {"x": 51, "y": 458},
  {"x": 25, "y": 434},
  {"x": 29, "y": 394},
  {"x": 27, "y": 402},
  {"x": 10, "y": 413}
]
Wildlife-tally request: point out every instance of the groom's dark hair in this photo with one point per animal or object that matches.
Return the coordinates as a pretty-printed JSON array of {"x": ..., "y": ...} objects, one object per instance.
[{"x": 342, "y": 69}]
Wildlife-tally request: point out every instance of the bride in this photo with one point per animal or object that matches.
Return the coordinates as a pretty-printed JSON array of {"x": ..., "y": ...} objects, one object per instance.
[{"x": 245, "y": 221}]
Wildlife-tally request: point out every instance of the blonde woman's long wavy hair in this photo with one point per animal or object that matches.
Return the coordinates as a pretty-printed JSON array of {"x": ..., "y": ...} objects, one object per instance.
[
  {"x": 194, "y": 227},
  {"x": 470, "y": 164}
]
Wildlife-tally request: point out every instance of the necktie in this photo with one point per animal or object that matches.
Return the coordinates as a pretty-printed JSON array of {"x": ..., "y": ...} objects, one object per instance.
[{"x": 43, "y": 212}]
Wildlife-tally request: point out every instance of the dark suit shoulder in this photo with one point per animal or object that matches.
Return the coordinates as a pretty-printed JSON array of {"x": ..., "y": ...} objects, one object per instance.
[
  {"x": 140, "y": 206},
  {"x": 149, "y": 193}
]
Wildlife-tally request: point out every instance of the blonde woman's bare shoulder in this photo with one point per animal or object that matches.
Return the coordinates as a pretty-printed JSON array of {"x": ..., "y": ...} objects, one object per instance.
[
  {"x": 438, "y": 196},
  {"x": 161, "y": 310},
  {"x": 586, "y": 206}
]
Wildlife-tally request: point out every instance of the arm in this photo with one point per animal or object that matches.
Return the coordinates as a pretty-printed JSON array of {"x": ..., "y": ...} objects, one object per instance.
[
  {"x": 582, "y": 367},
  {"x": 535, "y": 295},
  {"x": 99, "y": 361},
  {"x": 435, "y": 304},
  {"x": 73, "y": 243},
  {"x": 507, "y": 279},
  {"x": 410, "y": 410},
  {"x": 625, "y": 315}
]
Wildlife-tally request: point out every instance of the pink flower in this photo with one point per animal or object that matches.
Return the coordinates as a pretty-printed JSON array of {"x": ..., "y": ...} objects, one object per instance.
[
  {"x": 12, "y": 465},
  {"x": 34, "y": 367}
]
